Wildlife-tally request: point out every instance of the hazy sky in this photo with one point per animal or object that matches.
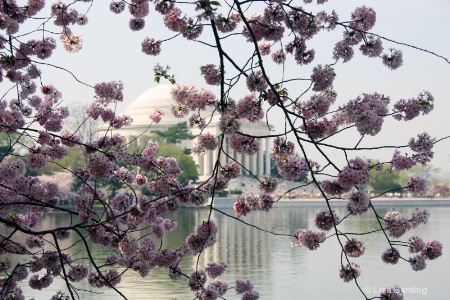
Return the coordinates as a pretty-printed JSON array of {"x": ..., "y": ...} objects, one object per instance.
[{"x": 113, "y": 52}]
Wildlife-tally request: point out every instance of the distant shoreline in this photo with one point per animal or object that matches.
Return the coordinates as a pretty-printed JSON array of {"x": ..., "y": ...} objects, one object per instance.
[{"x": 227, "y": 202}]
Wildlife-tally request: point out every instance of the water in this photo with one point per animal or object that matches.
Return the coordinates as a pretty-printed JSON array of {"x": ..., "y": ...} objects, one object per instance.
[{"x": 277, "y": 270}]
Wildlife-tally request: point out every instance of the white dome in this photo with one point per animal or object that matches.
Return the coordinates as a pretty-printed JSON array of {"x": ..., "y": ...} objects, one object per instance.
[
  {"x": 160, "y": 97},
  {"x": 146, "y": 103}
]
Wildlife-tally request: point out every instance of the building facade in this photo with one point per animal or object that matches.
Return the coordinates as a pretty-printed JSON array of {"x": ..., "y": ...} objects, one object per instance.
[{"x": 139, "y": 133}]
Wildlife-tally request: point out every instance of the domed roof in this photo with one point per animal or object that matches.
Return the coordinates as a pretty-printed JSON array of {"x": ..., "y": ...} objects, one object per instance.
[
  {"x": 146, "y": 103},
  {"x": 160, "y": 97}
]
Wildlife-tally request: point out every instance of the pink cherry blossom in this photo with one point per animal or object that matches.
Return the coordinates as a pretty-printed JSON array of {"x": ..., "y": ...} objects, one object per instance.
[
  {"x": 244, "y": 143},
  {"x": 326, "y": 220},
  {"x": 268, "y": 184},
  {"x": 197, "y": 280},
  {"x": 243, "y": 286},
  {"x": 227, "y": 24},
  {"x": 265, "y": 202},
  {"x": 343, "y": 50},
  {"x": 349, "y": 272},
  {"x": 396, "y": 224},
  {"x": 250, "y": 108},
  {"x": 310, "y": 239},
  {"x": 392, "y": 293},
  {"x": 416, "y": 244},
  {"x": 264, "y": 48},
  {"x": 390, "y": 256},
  {"x": 363, "y": 18},
  {"x": 215, "y": 269},
  {"x": 417, "y": 262},
  {"x": 394, "y": 60},
  {"x": 354, "y": 248},
  {"x": 372, "y": 47},
  {"x": 416, "y": 185},
  {"x": 419, "y": 216},
  {"x": 211, "y": 74},
  {"x": 322, "y": 78},
  {"x": 244, "y": 204},
  {"x": 432, "y": 250},
  {"x": 256, "y": 81},
  {"x": 151, "y": 46},
  {"x": 358, "y": 203}
]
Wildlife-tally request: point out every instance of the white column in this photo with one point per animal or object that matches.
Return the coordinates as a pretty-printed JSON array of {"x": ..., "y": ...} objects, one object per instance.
[
  {"x": 254, "y": 167},
  {"x": 246, "y": 162},
  {"x": 206, "y": 163},
  {"x": 141, "y": 141},
  {"x": 261, "y": 159},
  {"x": 223, "y": 157},
  {"x": 238, "y": 158},
  {"x": 230, "y": 151},
  {"x": 267, "y": 171},
  {"x": 214, "y": 158},
  {"x": 133, "y": 143},
  {"x": 199, "y": 161},
  {"x": 138, "y": 140},
  {"x": 227, "y": 150},
  {"x": 211, "y": 161}
]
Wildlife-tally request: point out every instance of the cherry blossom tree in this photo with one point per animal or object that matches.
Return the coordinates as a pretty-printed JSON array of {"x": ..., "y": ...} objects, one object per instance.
[{"x": 275, "y": 39}]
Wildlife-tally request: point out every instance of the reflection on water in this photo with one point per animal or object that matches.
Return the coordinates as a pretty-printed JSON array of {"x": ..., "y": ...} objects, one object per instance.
[{"x": 277, "y": 270}]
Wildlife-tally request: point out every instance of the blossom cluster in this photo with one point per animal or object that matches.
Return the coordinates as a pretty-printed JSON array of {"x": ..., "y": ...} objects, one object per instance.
[
  {"x": 349, "y": 272},
  {"x": 397, "y": 225},
  {"x": 290, "y": 165},
  {"x": 151, "y": 46},
  {"x": 211, "y": 74},
  {"x": 358, "y": 203},
  {"x": 354, "y": 174},
  {"x": 245, "y": 287},
  {"x": 256, "y": 81},
  {"x": 190, "y": 98},
  {"x": 367, "y": 112},
  {"x": 326, "y": 220},
  {"x": 317, "y": 129},
  {"x": 318, "y": 104},
  {"x": 392, "y": 293},
  {"x": 354, "y": 248},
  {"x": 244, "y": 144},
  {"x": 422, "y": 146},
  {"x": 322, "y": 78},
  {"x": 248, "y": 202},
  {"x": 206, "y": 141},
  {"x": 411, "y": 108},
  {"x": 423, "y": 252},
  {"x": 308, "y": 238},
  {"x": 250, "y": 108}
]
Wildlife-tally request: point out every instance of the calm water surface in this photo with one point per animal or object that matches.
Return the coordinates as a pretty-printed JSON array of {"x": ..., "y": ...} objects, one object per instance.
[{"x": 277, "y": 270}]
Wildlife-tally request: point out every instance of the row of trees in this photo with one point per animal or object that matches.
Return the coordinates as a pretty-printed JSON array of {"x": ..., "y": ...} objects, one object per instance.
[
  {"x": 383, "y": 180},
  {"x": 60, "y": 171}
]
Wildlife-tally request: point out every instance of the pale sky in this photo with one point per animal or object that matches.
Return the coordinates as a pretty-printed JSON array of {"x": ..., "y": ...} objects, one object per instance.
[{"x": 111, "y": 51}]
